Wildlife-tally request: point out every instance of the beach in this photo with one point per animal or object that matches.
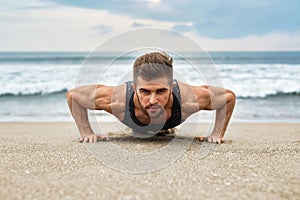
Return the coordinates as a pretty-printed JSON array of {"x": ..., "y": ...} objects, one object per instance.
[
  {"x": 44, "y": 160},
  {"x": 60, "y": 60}
]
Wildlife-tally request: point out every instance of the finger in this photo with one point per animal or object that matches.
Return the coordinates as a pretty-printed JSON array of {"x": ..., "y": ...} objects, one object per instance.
[
  {"x": 101, "y": 137},
  {"x": 220, "y": 140},
  {"x": 91, "y": 139},
  {"x": 209, "y": 139},
  {"x": 95, "y": 138}
]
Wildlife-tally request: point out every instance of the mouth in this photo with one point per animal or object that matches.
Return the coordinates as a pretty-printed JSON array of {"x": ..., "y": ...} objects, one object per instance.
[{"x": 154, "y": 108}]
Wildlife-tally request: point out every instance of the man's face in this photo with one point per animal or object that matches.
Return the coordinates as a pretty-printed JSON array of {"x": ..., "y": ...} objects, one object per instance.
[{"x": 153, "y": 96}]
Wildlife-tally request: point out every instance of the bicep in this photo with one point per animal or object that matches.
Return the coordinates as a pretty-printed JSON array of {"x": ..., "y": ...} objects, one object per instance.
[
  {"x": 93, "y": 97},
  {"x": 203, "y": 97},
  {"x": 110, "y": 98},
  {"x": 209, "y": 97},
  {"x": 83, "y": 95},
  {"x": 102, "y": 98}
]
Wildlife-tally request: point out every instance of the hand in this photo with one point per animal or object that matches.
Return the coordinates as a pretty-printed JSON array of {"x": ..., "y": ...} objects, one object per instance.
[
  {"x": 214, "y": 139},
  {"x": 92, "y": 138},
  {"x": 201, "y": 138},
  {"x": 210, "y": 139}
]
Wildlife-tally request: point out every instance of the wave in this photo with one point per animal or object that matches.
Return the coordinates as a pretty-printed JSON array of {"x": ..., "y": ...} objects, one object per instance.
[
  {"x": 64, "y": 90},
  {"x": 272, "y": 95},
  {"x": 59, "y": 57},
  {"x": 40, "y": 57},
  {"x": 217, "y": 57},
  {"x": 38, "y": 93}
]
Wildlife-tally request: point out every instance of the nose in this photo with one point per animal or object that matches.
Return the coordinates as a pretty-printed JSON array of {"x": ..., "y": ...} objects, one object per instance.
[{"x": 153, "y": 99}]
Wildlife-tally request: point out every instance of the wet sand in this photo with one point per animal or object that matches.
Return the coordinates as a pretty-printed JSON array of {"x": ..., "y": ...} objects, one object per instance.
[{"x": 45, "y": 161}]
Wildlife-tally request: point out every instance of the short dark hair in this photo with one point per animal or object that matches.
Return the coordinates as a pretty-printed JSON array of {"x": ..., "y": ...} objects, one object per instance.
[{"x": 153, "y": 65}]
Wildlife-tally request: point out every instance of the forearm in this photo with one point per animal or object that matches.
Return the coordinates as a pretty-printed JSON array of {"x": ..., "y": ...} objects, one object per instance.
[
  {"x": 79, "y": 113},
  {"x": 223, "y": 115},
  {"x": 80, "y": 116},
  {"x": 80, "y": 100},
  {"x": 221, "y": 122}
]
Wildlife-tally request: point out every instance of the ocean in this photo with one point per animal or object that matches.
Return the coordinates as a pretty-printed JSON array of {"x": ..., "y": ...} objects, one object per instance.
[{"x": 33, "y": 84}]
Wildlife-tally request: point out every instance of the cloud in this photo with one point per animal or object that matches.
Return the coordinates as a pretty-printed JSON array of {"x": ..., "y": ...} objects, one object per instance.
[
  {"x": 38, "y": 25},
  {"x": 102, "y": 29},
  {"x": 137, "y": 25},
  {"x": 266, "y": 42},
  {"x": 61, "y": 28},
  {"x": 183, "y": 27},
  {"x": 211, "y": 18},
  {"x": 27, "y": 5},
  {"x": 38, "y": 5}
]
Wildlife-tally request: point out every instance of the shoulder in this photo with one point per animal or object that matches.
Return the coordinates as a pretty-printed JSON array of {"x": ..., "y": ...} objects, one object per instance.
[
  {"x": 109, "y": 91},
  {"x": 188, "y": 91},
  {"x": 110, "y": 98},
  {"x": 191, "y": 95}
]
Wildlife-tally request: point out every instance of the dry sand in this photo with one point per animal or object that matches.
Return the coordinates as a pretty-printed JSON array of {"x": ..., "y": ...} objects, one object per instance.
[{"x": 45, "y": 161}]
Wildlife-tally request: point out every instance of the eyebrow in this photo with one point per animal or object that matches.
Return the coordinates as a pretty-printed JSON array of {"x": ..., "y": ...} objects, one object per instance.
[
  {"x": 160, "y": 89},
  {"x": 143, "y": 89}
]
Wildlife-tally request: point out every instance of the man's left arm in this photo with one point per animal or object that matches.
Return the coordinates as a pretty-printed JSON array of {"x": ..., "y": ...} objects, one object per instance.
[{"x": 221, "y": 100}]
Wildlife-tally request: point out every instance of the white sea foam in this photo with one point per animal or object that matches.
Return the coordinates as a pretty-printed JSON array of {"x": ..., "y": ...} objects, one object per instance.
[
  {"x": 33, "y": 86},
  {"x": 256, "y": 80}
]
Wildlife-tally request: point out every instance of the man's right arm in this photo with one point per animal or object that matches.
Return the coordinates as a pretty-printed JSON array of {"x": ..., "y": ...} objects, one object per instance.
[{"x": 93, "y": 97}]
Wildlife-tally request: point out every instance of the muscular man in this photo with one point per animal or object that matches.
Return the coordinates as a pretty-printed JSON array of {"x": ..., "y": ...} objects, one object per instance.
[{"x": 153, "y": 101}]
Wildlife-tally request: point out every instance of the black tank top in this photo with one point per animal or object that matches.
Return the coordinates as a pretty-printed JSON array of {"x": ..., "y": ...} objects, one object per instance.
[{"x": 137, "y": 126}]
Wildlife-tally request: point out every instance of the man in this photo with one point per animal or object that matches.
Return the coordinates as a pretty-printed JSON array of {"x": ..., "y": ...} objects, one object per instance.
[{"x": 152, "y": 102}]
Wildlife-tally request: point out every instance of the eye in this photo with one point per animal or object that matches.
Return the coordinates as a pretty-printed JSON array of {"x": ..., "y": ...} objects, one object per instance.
[
  {"x": 161, "y": 91},
  {"x": 145, "y": 92}
]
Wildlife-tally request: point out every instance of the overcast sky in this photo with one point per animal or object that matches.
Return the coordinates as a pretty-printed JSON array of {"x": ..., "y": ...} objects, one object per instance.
[{"x": 218, "y": 25}]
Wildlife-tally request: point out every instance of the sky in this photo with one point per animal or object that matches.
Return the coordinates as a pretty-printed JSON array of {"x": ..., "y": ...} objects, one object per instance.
[{"x": 216, "y": 25}]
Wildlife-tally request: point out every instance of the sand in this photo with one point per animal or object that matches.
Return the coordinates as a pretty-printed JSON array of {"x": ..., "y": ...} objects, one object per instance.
[{"x": 45, "y": 161}]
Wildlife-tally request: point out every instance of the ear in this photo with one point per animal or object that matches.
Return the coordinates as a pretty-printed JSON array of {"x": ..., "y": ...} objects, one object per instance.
[
  {"x": 173, "y": 85},
  {"x": 133, "y": 86}
]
